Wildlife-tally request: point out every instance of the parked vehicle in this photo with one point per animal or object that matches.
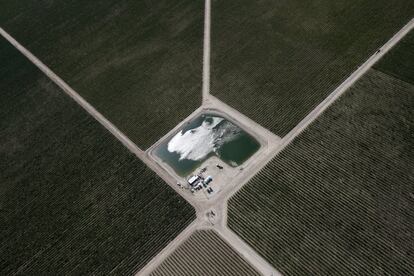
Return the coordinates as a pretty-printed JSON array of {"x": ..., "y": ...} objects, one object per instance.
[{"x": 207, "y": 180}]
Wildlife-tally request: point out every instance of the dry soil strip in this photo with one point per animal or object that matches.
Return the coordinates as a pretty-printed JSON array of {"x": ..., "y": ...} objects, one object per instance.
[
  {"x": 229, "y": 236},
  {"x": 99, "y": 117},
  {"x": 355, "y": 76},
  {"x": 206, "y": 50},
  {"x": 168, "y": 250},
  {"x": 314, "y": 114},
  {"x": 74, "y": 95},
  {"x": 248, "y": 253},
  {"x": 235, "y": 241},
  {"x": 268, "y": 140}
]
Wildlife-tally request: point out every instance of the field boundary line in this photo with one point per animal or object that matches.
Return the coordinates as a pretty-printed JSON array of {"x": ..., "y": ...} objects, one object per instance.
[
  {"x": 74, "y": 95},
  {"x": 328, "y": 101},
  {"x": 206, "y": 51},
  {"x": 345, "y": 85},
  {"x": 250, "y": 255},
  {"x": 235, "y": 240},
  {"x": 131, "y": 146},
  {"x": 158, "y": 259}
]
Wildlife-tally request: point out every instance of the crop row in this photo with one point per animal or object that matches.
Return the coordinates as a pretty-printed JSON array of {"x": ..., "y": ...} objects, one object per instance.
[
  {"x": 276, "y": 61},
  {"x": 399, "y": 62},
  {"x": 137, "y": 62},
  {"x": 204, "y": 253},
  {"x": 339, "y": 199},
  {"x": 74, "y": 200}
]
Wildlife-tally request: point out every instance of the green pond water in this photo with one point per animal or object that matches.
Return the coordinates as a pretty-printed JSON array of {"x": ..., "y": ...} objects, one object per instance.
[{"x": 205, "y": 136}]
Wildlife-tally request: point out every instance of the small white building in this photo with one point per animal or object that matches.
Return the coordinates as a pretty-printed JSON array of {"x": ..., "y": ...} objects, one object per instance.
[
  {"x": 192, "y": 180},
  {"x": 207, "y": 180}
]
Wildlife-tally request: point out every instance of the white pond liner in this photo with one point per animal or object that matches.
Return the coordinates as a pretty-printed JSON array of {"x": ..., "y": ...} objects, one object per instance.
[{"x": 195, "y": 144}]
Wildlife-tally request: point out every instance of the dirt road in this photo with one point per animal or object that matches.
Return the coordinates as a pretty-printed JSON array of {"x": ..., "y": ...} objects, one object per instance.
[
  {"x": 206, "y": 50},
  {"x": 156, "y": 261},
  {"x": 314, "y": 114},
  {"x": 219, "y": 203},
  {"x": 276, "y": 144},
  {"x": 99, "y": 117}
]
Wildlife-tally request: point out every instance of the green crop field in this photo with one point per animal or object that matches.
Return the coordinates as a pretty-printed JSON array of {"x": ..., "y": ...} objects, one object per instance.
[
  {"x": 339, "y": 200},
  {"x": 204, "y": 253},
  {"x": 399, "y": 63},
  {"x": 275, "y": 61},
  {"x": 139, "y": 63},
  {"x": 73, "y": 199}
]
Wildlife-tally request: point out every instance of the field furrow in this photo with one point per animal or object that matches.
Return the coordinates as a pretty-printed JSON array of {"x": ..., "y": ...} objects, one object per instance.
[
  {"x": 275, "y": 61},
  {"x": 139, "y": 63},
  {"x": 339, "y": 199},
  {"x": 204, "y": 253},
  {"x": 73, "y": 199}
]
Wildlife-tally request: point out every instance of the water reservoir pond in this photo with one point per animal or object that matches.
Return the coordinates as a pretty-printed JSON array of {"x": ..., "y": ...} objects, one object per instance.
[{"x": 203, "y": 137}]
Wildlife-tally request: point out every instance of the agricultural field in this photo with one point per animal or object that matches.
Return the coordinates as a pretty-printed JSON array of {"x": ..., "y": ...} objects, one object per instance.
[
  {"x": 139, "y": 63},
  {"x": 339, "y": 199},
  {"x": 275, "y": 61},
  {"x": 204, "y": 253},
  {"x": 399, "y": 63},
  {"x": 73, "y": 199}
]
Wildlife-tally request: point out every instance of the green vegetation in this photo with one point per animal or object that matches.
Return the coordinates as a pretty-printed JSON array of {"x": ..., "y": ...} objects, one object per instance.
[
  {"x": 339, "y": 200},
  {"x": 139, "y": 63},
  {"x": 399, "y": 62},
  {"x": 275, "y": 61},
  {"x": 73, "y": 199},
  {"x": 204, "y": 253}
]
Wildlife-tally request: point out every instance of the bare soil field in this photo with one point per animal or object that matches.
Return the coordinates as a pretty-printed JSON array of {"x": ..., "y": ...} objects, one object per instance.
[
  {"x": 139, "y": 63},
  {"x": 73, "y": 199},
  {"x": 275, "y": 61}
]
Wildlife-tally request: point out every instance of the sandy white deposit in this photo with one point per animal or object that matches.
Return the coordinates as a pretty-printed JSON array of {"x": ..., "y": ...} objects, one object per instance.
[{"x": 195, "y": 144}]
